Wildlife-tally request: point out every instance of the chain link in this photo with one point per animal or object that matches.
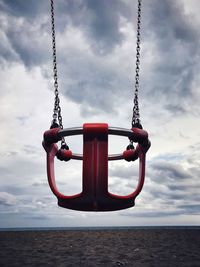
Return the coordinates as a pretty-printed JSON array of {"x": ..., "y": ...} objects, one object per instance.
[
  {"x": 57, "y": 109},
  {"x": 136, "y": 113}
]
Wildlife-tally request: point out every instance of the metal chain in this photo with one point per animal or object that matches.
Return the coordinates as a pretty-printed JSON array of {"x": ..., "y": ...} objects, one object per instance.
[
  {"x": 57, "y": 109},
  {"x": 136, "y": 113}
]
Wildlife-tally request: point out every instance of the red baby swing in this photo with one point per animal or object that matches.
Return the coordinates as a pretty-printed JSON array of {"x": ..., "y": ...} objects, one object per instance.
[{"x": 95, "y": 195}]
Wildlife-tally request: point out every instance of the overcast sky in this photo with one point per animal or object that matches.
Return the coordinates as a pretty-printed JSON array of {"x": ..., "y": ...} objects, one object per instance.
[{"x": 96, "y": 64}]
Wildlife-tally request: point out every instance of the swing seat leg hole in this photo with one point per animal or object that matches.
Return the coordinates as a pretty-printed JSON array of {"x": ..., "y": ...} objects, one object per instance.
[
  {"x": 123, "y": 177},
  {"x": 68, "y": 178}
]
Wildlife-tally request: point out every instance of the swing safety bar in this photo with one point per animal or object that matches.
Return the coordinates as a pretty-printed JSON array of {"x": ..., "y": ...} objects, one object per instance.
[{"x": 95, "y": 195}]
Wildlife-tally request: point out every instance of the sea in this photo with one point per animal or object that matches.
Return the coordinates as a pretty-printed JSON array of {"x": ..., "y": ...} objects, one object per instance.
[{"x": 103, "y": 228}]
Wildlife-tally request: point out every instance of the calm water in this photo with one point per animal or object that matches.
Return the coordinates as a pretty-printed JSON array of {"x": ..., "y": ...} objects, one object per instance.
[{"x": 99, "y": 228}]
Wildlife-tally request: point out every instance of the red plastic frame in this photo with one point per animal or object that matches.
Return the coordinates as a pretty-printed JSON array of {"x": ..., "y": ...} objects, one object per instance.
[{"x": 95, "y": 195}]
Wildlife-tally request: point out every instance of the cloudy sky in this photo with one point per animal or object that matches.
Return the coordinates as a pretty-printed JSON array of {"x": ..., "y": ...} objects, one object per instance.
[{"x": 96, "y": 63}]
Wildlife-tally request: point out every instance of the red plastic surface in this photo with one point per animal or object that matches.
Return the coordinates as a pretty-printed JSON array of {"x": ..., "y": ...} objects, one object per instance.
[{"x": 95, "y": 195}]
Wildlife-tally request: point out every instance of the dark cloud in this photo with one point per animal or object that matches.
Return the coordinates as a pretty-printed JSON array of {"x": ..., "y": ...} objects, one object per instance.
[
  {"x": 21, "y": 8},
  {"x": 170, "y": 171},
  {"x": 175, "y": 65},
  {"x": 184, "y": 187},
  {"x": 169, "y": 20},
  {"x": 173, "y": 186},
  {"x": 190, "y": 208},
  {"x": 105, "y": 23},
  {"x": 176, "y": 109},
  {"x": 166, "y": 195},
  {"x": 95, "y": 87},
  {"x": 99, "y": 20},
  {"x": 172, "y": 33},
  {"x": 7, "y": 54},
  {"x": 174, "y": 182},
  {"x": 95, "y": 19},
  {"x": 95, "y": 83},
  {"x": 25, "y": 26},
  {"x": 29, "y": 42}
]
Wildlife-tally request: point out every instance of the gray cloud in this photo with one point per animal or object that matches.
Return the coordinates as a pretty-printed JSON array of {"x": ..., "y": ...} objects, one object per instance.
[
  {"x": 7, "y": 199},
  {"x": 171, "y": 170},
  {"x": 176, "y": 109},
  {"x": 85, "y": 79},
  {"x": 175, "y": 64},
  {"x": 94, "y": 72},
  {"x": 99, "y": 22},
  {"x": 94, "y": 18},
  {"x": 28, "y": 40},
  {"x": 24, "y": 26},
  {"x": 92, "y": 86},
  {"x": 104, "y": 28},
  {"x": 190, "y": 209},
  {"x": 20, "y": 8},
  {"x": 170, "y": 188},
  {"x": 154, "y": 214},
  {"x": 22, "y": 168},
  {"x": 127, "y": 172},
  {"x": 16, "y": 190},
  {"x": 184, "y": 187},
  {"x": 40, "y": 183},
  {"x": 94, "y": 81},
  {"x": 30, "y": 150}
]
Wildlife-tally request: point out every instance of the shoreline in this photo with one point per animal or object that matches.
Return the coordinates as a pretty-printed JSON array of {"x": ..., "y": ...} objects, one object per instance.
[{"x": 100, "y": 228}]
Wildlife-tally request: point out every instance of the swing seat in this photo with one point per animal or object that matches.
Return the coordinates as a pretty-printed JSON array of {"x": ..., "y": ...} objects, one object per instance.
[{"x": 95, "y": 195}]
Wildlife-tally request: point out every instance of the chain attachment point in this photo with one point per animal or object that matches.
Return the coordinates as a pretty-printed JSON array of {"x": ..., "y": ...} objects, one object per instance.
[
  {"x": 130, "y": 146},
  {"x": 64, "y": 145}
]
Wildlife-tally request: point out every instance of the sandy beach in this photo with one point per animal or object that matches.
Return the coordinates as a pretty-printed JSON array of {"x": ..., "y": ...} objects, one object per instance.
[{"x": 127, "y": 247}]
